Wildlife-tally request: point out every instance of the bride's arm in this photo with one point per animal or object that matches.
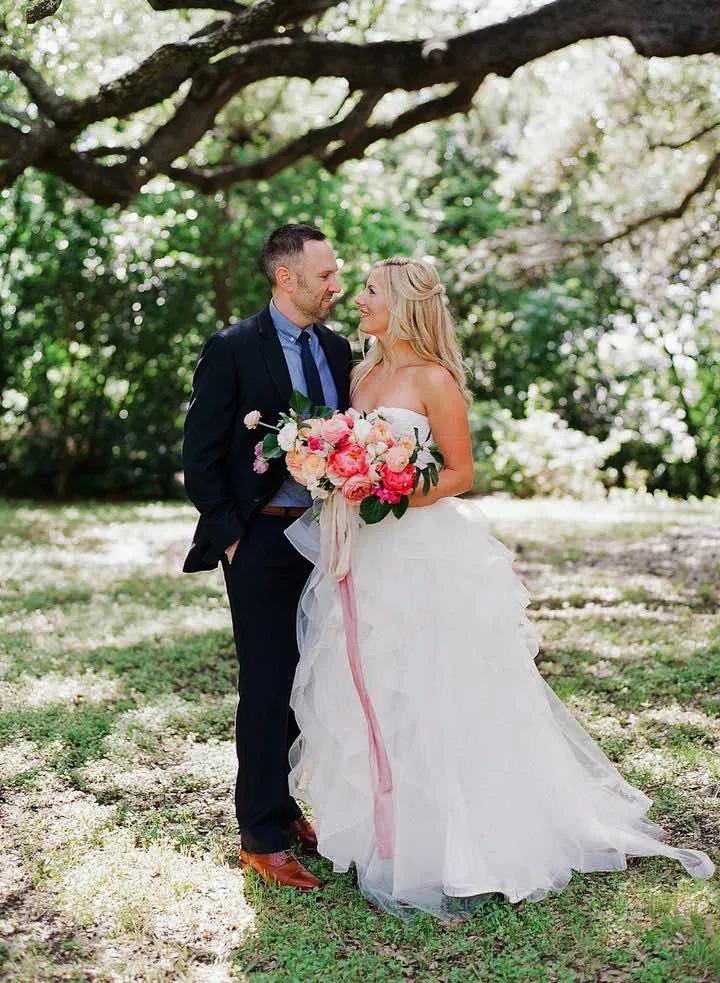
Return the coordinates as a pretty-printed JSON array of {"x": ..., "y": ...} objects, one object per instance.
[{"x": 447, "y": 414}]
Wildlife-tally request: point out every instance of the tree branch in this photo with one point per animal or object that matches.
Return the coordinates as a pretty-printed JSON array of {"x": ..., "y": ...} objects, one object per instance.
[
  {"x": 457, "y": 101},
  {"x": 686, "y": 143},
  {"x": 12, "y": 140},
  {"x": 41, "y": 9},
  {"x": 315, "y": 142},
  {"x": 36, "y": 145},
  {"x": 666, "y": 214},
  {"x": 159, "y": 76},
  {"x": 226, "y": 6},
  {"x": 257, "y": 52},
  {"x": 44, "y": 97}
]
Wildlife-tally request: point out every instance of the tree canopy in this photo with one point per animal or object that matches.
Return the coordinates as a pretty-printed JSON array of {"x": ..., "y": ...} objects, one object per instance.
[{"x": 109, "y": 139}]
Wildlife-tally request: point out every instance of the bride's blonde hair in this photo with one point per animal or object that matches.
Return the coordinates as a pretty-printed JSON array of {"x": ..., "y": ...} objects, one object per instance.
[{"x": 419, "y": 316}]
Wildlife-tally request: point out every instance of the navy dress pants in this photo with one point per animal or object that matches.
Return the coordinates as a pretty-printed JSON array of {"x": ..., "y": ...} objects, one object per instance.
[{"x": 264, "y": 583}]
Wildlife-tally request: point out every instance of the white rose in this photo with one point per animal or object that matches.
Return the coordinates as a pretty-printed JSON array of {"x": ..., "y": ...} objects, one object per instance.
[
  {"x": 252, "y": 419},
  {"x": 362, "y": 430},
  {"x": 424, "y": 458},
  {"x": 287, "y": 436}
]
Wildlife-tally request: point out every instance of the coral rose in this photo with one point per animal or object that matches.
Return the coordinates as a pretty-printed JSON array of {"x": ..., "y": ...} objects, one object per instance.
[
  {"x": 399, "y": 481},
  {"x": 347, "y": 461},
  {"x": 357, "y": 488}
]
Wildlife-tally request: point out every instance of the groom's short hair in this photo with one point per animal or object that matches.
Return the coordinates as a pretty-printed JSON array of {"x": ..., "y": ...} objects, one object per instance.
[{"x": 285, "y": 245}]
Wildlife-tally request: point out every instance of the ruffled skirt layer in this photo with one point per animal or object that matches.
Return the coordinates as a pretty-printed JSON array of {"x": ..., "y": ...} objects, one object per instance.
[{"x": 496, "y": 787}]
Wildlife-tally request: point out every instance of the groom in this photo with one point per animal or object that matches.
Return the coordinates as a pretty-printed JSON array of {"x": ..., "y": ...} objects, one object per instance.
[{"x": 255, "y": 365}]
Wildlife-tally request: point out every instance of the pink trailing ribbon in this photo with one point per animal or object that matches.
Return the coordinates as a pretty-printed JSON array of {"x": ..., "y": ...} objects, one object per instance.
[{"x": 338, "y": 525}]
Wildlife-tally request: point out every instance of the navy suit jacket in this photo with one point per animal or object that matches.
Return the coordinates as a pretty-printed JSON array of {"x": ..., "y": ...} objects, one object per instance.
[{"x": 241, "y": 368}]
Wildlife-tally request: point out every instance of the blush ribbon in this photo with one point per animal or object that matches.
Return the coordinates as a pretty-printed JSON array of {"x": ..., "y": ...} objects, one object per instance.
[{"x": 339, "y": 523}]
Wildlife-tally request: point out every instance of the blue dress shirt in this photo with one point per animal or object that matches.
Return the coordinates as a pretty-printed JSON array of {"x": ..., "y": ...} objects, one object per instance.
[{"x": 290, "y": 492}]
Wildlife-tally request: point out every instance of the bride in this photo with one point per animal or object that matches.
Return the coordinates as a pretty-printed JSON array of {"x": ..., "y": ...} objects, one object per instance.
[{"x": 495, "y": 786}]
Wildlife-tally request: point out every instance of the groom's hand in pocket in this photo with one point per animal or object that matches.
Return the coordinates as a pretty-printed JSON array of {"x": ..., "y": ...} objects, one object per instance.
[{"x": 230, "y": 551}]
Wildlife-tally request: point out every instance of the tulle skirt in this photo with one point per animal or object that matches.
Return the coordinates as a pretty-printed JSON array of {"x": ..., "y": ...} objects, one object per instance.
[{"x": 496, "y": 786}]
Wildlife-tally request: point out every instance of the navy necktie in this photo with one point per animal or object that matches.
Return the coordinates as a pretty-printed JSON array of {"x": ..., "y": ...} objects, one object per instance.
[{"x": 310, "y": 371}]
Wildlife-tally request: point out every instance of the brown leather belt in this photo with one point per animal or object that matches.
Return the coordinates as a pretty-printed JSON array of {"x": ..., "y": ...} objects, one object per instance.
[{"x": 289, "y": 511}]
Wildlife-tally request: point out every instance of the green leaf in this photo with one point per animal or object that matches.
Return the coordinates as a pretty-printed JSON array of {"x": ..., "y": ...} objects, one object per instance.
[
  {"x": 322, "y": 412},
  {"x": 301, "y": 404},
  {"x": 426, "y": 482},
  {"x": 401, "y": 507},
  {"x": 434, "y": 473},
  {"x": 372, "y": 510},
  {"x": 270, "y": 447},
  {"x": 438, "y": 457}
]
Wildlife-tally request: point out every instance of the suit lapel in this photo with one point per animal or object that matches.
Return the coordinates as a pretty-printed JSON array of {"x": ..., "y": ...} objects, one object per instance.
[
  {"x": 274, "y": 356},
  {"x": 336, "y": 355}
]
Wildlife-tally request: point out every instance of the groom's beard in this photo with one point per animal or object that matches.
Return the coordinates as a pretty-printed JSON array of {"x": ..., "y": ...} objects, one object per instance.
[{"x": 315, "y": 308}]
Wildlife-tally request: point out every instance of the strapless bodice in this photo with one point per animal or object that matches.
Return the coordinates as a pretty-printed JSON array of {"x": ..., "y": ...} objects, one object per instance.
[{"x": 402, "y": 419}]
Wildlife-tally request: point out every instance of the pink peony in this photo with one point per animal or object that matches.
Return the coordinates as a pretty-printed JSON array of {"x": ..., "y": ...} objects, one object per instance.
[
  {"x": 347, "y": 461},
  {"x": 316, "y": 444},
  {"x": 399, "y": 481},
  {"x": 357, "y": 487},
  {"x": 334, "y": 429},
  {"x": 397, "y": 459}
]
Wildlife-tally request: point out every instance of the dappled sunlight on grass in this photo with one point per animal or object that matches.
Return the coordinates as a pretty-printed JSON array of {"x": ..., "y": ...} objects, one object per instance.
[
  {"x": 53, "y": 687},
  {"x": 117, "y": 760}
]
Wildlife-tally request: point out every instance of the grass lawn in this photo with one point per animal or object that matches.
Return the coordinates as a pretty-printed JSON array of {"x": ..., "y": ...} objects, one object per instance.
[{"x": 118, "y": 854}]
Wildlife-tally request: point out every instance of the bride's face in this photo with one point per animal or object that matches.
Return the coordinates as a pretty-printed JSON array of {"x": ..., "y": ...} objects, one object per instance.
[{"x": 374, "y": 310}]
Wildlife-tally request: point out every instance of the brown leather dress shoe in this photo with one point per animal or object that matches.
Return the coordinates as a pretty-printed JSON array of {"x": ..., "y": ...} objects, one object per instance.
[
  {"x": 302, "y": 831},
  {"x": 282, "y": 868}
]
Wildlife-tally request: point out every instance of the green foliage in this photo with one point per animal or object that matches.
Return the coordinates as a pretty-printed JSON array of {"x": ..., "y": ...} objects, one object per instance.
[
  {"x": 372, "y": 510},
  {"x": 105, "y": 313},
  {"x": 76, "y": 734}
]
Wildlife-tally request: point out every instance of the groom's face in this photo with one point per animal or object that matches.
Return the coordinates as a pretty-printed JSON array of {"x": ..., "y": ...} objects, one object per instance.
[{"x": 316, "y": 280}]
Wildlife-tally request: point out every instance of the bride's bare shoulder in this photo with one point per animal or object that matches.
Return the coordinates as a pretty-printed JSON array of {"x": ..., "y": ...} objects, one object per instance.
[{"x": 434, "y": 376}]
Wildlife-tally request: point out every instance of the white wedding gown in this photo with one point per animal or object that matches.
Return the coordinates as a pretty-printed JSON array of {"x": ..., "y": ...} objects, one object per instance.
[{"x": 496, "y": 787}]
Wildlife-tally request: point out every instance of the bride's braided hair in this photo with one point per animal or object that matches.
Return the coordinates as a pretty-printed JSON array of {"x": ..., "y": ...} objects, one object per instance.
[{"x": 418, "y": 315}]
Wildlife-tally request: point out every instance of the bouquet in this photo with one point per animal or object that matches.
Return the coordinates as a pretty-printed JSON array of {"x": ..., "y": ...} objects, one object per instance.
[{"x": 355, "y": 455}]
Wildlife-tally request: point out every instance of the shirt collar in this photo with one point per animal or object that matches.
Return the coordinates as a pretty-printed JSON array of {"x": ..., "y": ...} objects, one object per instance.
[{"x": 285, "y": 327}]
